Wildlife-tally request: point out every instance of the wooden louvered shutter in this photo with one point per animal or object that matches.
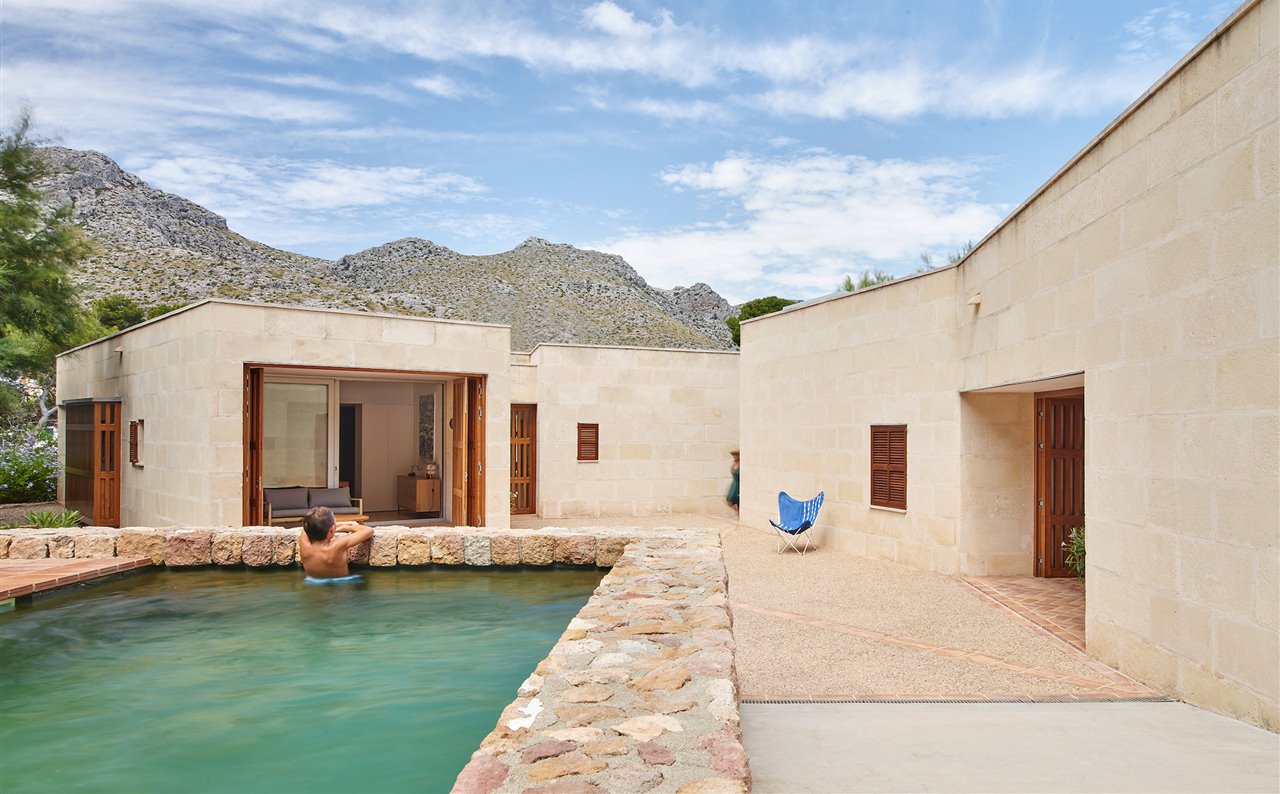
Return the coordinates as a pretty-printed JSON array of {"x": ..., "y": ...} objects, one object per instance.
[
  {"x": 889, "y": 466},
  {"x": 135, "y": 442},
  {"x": 588, "y": 442}
]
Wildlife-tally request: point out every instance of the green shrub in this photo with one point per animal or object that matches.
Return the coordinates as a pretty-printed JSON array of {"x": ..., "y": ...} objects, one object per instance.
[
  {"x": 1074, "y": 546},
  {"x": 28, "y": 466},
  {"x": 49, "y": 519},
  {"x": 755, "y": 308}
]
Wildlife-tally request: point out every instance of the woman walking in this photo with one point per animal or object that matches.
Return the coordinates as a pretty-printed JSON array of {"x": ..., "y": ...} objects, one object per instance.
[{"x": 731, "y": 498}]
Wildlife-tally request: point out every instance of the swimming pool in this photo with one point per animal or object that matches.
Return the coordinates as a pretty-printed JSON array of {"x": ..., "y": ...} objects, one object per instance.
[{"x": 241, "y": 680}]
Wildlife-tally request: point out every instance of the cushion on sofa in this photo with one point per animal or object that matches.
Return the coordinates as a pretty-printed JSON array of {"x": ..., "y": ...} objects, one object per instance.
[
  {"x": 289, "y": 512},
  {"x": 333, "y": 498},
  {"x": 291, "y": 498},
  {"x": 349, "y": 510}
]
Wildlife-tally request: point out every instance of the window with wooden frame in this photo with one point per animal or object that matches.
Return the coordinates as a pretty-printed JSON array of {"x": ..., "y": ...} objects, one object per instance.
[
  {"x": 135, "y": 442},
  {"x": 588, "y": 441},
  {"x": 889, "y": 466}
]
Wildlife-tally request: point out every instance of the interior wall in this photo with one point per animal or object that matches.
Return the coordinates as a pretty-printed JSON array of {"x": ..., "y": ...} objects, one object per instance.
[{"x": 388, "y": 436}]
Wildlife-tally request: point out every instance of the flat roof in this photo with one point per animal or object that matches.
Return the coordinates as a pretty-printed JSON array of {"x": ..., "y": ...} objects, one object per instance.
[{"x": 255, "y": 304}]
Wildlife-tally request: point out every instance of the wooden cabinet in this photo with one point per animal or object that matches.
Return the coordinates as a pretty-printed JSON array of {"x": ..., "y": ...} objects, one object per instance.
[{"x": 418, "y": 494}]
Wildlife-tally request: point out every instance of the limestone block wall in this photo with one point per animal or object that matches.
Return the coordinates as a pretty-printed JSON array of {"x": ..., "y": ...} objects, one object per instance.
[
  {"x": 668, "y": 419},
  {"x": 815, "y": 379},
  {"x": 184, "y": 374},
  {"x": 162, "y": 371},
  {"x": 313, "y": 337},
  {"x": 1152, "y": 264}
]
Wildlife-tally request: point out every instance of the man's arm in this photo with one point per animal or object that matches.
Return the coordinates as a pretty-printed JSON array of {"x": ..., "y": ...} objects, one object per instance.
[{"x": 354, "y": 534}]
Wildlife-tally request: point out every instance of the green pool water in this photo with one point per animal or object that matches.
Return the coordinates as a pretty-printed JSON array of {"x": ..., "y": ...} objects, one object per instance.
[{"x": 244, "y": 681}]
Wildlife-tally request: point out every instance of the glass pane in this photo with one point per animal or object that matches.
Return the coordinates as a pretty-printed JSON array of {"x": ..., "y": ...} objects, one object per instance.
[{"x": 295, "y": 434}]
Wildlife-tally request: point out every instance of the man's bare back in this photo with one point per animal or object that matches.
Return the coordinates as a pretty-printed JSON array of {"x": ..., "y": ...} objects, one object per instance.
[{"x": 326, "y": 558}]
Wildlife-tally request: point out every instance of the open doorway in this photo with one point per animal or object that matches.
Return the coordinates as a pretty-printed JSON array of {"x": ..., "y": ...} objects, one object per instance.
[
  {"x": 383, "y": 435},
  {"x": 349, "y": 446}
]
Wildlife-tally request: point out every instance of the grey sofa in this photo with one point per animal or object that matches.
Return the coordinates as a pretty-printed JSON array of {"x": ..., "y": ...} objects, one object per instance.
[{"x": 289, "y": 505}]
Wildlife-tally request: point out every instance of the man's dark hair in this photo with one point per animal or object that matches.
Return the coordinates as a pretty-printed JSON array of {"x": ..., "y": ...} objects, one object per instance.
[{"x": 318, "y": 522}]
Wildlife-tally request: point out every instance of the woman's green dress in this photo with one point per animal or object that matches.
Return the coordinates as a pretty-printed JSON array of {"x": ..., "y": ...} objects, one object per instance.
[{"x": 732, "y": 496}]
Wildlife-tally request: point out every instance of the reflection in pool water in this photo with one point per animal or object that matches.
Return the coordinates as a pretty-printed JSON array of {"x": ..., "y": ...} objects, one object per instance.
[{"x": 239, "y": 680}]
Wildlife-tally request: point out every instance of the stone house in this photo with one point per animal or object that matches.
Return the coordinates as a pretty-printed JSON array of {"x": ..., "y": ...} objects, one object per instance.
[
  {"x": 216, "y": 401},
  {"x": 1108, "y": 354},
  {"x": 1110, "y": 350}
]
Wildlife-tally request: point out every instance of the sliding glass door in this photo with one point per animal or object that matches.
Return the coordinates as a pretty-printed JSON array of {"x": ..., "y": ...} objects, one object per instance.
[{"x": 297, "y": 438}]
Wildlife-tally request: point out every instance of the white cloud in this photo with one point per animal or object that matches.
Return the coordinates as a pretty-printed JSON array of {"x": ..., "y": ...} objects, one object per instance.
[
  {"x": 445, "y": 87},
  {"x": 320, "y": 83},
  {"x": 911, "y": 90},
  {"x": 616, "y": 21},
  {"x": 483, "y": 227},
  {"x": 798, "y": 224},
  {"x": 815, "y": 75},
  {"x": 245, "y": 187},
  {"x": 111, "y": 102},
  {"x": 1155, "y": 32},
  {"x": 676, "y": 110}
]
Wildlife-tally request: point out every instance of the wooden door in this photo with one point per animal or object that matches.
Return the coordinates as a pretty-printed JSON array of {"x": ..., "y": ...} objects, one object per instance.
[
  {"x": 252, "y": 480},
  {"x": 1059, "y": 478},
  {"x": 458, "y": 475},
  {"x": 106, "y": 507},
  {"x": 91, "y": 470},
  {"x": 475, "y": 452},
  {"x": 524, "y": 460}
]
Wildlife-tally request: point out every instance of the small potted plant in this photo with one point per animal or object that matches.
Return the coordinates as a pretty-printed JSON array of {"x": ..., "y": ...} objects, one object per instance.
[{"x": 1074, "y": 547}]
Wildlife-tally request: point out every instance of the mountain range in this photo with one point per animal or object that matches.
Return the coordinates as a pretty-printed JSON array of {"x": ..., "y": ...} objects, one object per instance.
[{"x": 157, "y": 247}]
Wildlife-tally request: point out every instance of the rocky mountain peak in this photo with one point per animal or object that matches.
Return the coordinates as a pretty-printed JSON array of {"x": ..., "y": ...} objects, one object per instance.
[{"x": 161, "y": 248}]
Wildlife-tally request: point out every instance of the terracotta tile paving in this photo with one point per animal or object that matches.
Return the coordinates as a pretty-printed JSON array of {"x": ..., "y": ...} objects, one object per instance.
[
  {"x": 24, "y": 577},
  {"x": 1054, "y": 607}
]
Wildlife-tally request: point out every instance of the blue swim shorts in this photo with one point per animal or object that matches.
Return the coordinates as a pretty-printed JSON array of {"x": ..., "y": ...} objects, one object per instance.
[{"x": 354, "y": 578}]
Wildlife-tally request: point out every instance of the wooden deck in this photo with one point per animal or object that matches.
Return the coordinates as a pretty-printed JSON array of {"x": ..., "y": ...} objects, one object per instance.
[{"x": 24, "y": 577}]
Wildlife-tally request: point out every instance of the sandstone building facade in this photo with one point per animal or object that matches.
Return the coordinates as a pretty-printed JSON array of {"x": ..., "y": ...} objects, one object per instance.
[
  {"x": 1126, "y": 318},
  {"x": 1107, "y": 357}
]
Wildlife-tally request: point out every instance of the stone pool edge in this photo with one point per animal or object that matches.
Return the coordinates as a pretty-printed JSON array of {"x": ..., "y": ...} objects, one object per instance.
[{"x": 638, "y": 694}]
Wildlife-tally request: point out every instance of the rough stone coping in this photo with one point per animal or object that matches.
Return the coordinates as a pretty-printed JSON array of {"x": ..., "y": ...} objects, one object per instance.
[
  {"x": 639, "y": 693},
  {"x": 257, "y": 547}
]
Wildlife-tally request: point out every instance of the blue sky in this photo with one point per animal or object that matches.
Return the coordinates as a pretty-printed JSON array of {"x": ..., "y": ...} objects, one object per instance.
[{"x": 761, "y": 148}]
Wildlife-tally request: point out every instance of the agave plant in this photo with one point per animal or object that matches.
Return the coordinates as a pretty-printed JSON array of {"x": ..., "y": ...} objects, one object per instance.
[{"x": 48, "y": 519}]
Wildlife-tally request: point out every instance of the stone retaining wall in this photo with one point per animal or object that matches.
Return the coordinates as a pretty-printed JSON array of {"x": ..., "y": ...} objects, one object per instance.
[
  {"x": 639, "y": 694},
  {"x": 259, "y": 547}
]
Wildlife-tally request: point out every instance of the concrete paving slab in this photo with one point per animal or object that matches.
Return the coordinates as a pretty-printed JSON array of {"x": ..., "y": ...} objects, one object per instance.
[{"x": 1005, "y": 747}]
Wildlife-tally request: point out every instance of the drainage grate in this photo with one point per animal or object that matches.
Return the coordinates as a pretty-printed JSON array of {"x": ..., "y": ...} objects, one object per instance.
[{"x": 760, "y": 702}]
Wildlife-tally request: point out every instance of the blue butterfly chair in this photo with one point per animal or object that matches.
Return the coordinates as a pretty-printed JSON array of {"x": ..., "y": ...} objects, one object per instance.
[{"x": 795, "y": 519}]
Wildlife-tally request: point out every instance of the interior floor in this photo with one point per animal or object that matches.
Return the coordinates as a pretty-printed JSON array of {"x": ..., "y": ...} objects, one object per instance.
[{"x": 403, "y": 518}]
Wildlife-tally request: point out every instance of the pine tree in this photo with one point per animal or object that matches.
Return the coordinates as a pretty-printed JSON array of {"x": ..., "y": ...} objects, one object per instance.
[{"x": 40, "y": 314}]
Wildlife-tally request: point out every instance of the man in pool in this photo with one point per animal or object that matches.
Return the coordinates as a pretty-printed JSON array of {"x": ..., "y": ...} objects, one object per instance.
[{"x": 323, "y": 553}]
